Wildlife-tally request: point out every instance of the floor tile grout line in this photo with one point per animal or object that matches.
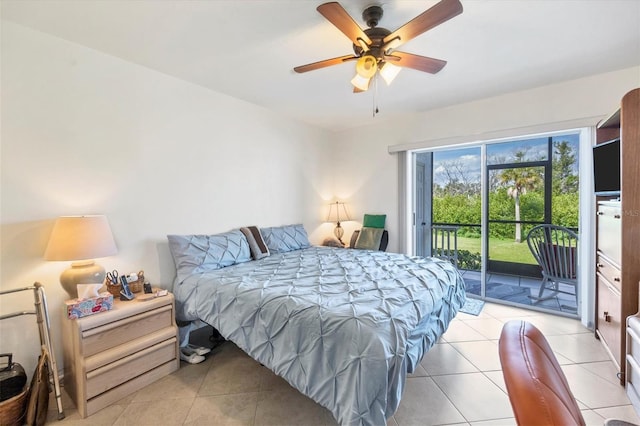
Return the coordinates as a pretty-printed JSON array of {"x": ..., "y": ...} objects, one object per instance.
[{"x": 450, "y": 400}]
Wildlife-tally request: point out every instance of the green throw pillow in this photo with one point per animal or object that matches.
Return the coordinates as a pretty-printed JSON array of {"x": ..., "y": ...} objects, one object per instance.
[{"x": 374, "y": 220}]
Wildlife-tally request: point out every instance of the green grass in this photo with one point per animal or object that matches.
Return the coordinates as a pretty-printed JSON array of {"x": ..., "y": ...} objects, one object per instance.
[{"x": 504, "y": 250}]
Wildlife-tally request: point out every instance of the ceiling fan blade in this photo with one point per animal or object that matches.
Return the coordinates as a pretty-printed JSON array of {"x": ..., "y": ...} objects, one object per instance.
[
  {"x": 434, "y": 16},
  {"x": 417, "y": 62},
  {"x": 342, "y": 21},
  {"x": 325, "y": 63}
]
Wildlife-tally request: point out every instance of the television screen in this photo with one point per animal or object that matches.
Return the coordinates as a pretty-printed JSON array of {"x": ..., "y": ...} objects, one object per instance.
[{"x": 606, "y": 168}]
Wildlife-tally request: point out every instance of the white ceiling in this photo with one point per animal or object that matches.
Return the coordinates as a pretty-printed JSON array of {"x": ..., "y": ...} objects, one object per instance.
[{"x": 247, "y": 49}]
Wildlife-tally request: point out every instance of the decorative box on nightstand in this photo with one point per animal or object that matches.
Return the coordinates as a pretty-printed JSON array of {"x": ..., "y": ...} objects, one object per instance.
[{"x": 112, "y": 354}]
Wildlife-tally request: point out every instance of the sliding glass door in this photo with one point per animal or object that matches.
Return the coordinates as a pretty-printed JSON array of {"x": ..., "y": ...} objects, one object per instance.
[
  {"x": 449, "y": 209},
  {"x": 475, "y": 206}
]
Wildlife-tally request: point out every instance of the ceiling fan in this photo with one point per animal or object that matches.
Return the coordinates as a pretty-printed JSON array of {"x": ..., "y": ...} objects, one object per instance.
[{"x": 374, "y": 48}]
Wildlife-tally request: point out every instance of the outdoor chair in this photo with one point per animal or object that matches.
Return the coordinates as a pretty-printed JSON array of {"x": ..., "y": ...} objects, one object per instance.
[{"x": 555, "y": 248}]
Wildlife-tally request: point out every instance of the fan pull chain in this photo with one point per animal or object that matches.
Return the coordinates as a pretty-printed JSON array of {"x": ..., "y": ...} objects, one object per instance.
[{"x": 375, "y": 96}]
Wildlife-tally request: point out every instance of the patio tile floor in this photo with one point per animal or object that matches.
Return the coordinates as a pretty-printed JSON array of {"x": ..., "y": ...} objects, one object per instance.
[{"x": 564, "y": 303}]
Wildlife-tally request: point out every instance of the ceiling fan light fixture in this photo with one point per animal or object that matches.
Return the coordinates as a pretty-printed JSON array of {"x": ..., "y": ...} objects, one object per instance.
[
  {"x": 366, "y": 66},
  {"x": 373, "y": 47},
  {"x": 361, "y": 82},
  {"x": 388, "y": 71}
]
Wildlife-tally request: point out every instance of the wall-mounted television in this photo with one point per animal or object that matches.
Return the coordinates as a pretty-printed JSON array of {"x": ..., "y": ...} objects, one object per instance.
[{"x": 606, "y": 168}]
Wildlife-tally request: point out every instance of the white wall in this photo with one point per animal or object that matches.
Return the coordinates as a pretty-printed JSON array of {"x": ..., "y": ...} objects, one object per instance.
[{"x": 83, "y": 132}]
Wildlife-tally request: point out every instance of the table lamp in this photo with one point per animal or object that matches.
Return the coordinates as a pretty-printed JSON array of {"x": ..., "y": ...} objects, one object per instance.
[
  {"x": 80, "y": 239},
  {"x": 337, "y": 212}
]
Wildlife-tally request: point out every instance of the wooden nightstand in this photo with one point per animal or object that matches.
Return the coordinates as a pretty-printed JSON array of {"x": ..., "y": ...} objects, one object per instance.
[{"x": 110, "y": 355}]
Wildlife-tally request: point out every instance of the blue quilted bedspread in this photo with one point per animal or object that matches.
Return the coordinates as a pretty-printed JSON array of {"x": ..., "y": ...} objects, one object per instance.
[{"x": 342, "y": 326}]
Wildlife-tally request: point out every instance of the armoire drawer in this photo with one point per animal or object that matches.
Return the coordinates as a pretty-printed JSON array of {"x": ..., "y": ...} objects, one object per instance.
[
  {"x": 609, "y": 229},
  {"x": 609, "y": 323},
  {"x": 609, "y": 271}
]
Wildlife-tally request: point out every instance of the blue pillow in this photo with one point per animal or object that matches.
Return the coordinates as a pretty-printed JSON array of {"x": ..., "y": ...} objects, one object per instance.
[
  {"x": 200, "y": 253},
  {"x": 281, "y": 239}
]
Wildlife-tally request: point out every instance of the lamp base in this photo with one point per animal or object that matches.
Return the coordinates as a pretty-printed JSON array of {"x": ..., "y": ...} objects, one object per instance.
[
  {"x": 85, "y": 272},
  {"x": 339, "y": 232}
]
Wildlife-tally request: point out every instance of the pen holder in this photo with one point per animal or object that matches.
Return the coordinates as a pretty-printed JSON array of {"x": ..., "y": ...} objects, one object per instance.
[{"x": 113, "y": 288}]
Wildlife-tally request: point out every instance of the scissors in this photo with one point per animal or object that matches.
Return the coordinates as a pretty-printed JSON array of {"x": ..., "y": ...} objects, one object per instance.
[{"x": 113, "y": 277}]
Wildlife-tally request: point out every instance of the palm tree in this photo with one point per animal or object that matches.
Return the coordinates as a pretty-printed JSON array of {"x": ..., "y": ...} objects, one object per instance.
[{"x": 519, "y": 181}]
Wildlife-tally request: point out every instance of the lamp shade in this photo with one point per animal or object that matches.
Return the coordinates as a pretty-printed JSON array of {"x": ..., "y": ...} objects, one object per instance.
[
  {"x": 338, "y": 213},
  {"x": 80, "y": 238},
  {"x": 361, "y": 83},
  {"x": 366, "y": 66},
  {"x": 389, "y": 72}
]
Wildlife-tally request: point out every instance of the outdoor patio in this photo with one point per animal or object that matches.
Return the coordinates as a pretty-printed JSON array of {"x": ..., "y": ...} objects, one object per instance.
[{"x": 516, "y": 289}]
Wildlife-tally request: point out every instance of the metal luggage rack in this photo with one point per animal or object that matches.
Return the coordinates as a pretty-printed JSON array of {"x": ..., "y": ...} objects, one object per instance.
[{"x": 44, "y": 325}]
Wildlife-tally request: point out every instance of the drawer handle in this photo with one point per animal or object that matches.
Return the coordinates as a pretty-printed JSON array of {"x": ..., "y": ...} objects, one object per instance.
[
  {"x": 600, "y": 213},
  {"x": 600, "y": 265},
  {"x": 617, "y": 279},
  {"x": 607, "y": 317},
  {"x": 616, "y": 216}
]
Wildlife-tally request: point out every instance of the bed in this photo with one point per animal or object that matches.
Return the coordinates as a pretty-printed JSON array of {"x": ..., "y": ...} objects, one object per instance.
[{"x": 342, "y": 326}]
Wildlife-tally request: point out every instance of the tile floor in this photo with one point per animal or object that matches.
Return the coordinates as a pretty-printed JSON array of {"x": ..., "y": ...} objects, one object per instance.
[{"x": 458, "y": 382}]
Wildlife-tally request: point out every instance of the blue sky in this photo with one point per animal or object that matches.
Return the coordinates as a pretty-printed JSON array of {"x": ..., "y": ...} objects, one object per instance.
[{"x": 469, "y": 158}]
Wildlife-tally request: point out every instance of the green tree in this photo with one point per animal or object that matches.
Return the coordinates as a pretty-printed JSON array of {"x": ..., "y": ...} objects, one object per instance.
[
  {"x": 518, "y": 181},
  {"x": 565, "y": 178}
]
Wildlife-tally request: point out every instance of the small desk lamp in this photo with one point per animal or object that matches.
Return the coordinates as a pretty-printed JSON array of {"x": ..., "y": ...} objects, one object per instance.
[
  {"x": 81, "y": 239},
  {"x": 337, "y": 212}
]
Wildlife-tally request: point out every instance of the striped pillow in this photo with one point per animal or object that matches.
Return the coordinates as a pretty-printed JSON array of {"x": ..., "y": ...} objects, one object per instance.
[{"x": 256, "y": 244}]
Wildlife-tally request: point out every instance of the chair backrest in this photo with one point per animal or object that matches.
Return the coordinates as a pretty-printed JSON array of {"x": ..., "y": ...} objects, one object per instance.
[
  {"x": 555, "y": 248},
  {"x": 444, "y": 242},
  {"x": 538, "y": 389},
  {"x": 384, "y": 242}
]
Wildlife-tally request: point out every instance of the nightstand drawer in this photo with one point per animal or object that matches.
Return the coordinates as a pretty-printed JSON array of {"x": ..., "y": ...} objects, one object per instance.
[
  {"x": 107, "y": 336},
  {"x": 116, "y": 373},
  {"x": 112, "y": 355}
]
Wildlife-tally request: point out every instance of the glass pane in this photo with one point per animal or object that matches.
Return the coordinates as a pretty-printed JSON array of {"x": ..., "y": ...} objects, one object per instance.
[
  {"x": 456, "y": 187},
  {"x": 565, "y": 198},
  {"x": 516, "y": 194},
  {"x": 518, "y": 151},
  {"x": 457, "y": 211},
  {"x": 503, "y": 247}
]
